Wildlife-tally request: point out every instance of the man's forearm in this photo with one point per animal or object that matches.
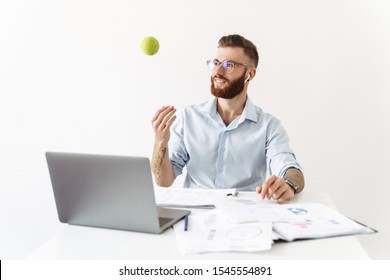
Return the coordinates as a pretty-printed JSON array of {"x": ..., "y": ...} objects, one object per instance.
[{"x": 161, "y": 166}]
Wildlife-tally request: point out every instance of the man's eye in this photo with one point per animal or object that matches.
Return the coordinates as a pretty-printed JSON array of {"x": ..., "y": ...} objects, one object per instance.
[{"x": 229, "y": 64}]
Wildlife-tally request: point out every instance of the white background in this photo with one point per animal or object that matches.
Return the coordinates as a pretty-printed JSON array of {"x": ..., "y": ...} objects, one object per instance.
[{"x": 73, "y": 78}]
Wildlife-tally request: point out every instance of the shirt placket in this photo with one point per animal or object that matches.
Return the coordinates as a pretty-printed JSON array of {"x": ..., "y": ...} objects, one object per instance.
[{"x": 221, "y": 162}]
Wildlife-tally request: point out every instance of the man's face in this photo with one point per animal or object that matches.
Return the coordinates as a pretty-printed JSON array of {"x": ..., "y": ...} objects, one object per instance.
[{"x": 229, "y": 85}]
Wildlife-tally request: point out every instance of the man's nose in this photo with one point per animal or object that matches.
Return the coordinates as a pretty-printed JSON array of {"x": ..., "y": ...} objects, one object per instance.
[{"x": 219, "y": 70}]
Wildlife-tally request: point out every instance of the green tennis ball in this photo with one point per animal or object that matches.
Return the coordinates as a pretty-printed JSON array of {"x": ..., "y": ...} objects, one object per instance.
[{"x": 150, "y": 45}]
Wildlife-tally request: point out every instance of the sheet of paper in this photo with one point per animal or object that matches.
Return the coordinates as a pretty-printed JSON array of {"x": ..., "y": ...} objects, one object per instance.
[
  {"x": 251, "y": 209},
  {"x": 184, "y": 197},
  {"x": 318, "y": 221},
  {"x": 209, "y": 231}
]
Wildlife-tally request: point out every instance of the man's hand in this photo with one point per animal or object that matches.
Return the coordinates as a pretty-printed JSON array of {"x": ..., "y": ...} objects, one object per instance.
[
  {"x": 162, "y": 122},
  {"x": 161, "y": 165},
  {"x": 276, "y": 188}
]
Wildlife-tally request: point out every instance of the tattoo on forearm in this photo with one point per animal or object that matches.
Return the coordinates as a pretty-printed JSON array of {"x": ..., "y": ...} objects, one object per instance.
[{"x": 157, "y": 163}]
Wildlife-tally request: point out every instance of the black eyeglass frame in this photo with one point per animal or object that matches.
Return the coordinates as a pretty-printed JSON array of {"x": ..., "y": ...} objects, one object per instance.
[{"x": 221, "y": 63}]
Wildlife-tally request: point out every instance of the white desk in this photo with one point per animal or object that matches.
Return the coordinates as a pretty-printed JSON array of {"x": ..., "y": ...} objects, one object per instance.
[{"x": 76, "y": 242}]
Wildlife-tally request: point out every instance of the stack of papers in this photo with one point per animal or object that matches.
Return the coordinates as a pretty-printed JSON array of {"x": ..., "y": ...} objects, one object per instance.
[
  {"x": 249, "y": 224},
  {"x": 317, "y": 221},
  {"x": 211, "y": 232}
]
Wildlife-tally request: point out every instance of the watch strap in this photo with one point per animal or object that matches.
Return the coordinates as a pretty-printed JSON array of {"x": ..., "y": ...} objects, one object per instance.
[{"x": 294, "y": 185}]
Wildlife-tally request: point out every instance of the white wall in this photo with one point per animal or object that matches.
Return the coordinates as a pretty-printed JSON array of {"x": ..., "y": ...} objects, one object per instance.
[{"x": 73, "y": 78}]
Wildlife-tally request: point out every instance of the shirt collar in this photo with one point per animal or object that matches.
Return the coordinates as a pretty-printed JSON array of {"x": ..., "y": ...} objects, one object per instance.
[
  {"x": 248, "y": 113},
  {"x": 211, "y": 107}
]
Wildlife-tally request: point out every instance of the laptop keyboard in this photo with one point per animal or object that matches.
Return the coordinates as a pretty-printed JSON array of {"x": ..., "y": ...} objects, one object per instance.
[{"x": 163, "y": 220}]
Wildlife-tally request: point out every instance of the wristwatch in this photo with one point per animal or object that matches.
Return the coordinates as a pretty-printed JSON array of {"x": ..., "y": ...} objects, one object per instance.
[{"x": 294, "y": 185}]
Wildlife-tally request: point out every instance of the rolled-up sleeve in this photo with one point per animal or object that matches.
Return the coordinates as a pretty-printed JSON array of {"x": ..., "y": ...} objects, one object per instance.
[{"x": 279, "y": 155}]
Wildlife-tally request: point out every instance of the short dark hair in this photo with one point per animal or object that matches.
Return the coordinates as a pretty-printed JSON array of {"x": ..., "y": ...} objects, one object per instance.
[{"x": 236, "y": 40}]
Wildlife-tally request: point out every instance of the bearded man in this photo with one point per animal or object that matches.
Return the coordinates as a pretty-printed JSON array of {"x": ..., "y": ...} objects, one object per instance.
[{"x": 227, "y": 142}]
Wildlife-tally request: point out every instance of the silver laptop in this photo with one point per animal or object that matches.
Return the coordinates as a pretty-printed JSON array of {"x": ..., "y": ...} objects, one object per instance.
[{"x": 113, "y": 192}]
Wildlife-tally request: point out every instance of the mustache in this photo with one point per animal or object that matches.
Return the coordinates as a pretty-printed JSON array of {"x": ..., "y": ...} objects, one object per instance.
[{"x": 219, "y": 77}]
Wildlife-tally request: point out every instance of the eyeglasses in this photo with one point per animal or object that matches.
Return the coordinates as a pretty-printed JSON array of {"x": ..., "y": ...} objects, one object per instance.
[{"x": 227, "y": 65}]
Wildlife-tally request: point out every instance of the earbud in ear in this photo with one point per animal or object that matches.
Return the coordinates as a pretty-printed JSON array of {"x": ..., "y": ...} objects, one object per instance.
[{"x": 247, "y": 79}]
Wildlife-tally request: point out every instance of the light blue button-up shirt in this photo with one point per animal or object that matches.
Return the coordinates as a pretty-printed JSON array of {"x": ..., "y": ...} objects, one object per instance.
[{"x": 235, "y": 156}]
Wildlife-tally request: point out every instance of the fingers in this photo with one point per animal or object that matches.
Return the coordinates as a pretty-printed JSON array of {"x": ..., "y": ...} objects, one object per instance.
[
  {"x": 268, "y": 187},
  {"x": 286, "y": 196},
  {"x": 275, "y": 188},
  {"x": 170, "y": 122},
  {"x": 163, "y": 118},
  {"x": 166, "y": 119},
  {"x": 163, "y": 108}
]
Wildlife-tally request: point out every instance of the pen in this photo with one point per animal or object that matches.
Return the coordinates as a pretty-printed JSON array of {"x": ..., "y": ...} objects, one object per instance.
[
  {"x": 234, "y": 194},
  {"x": 186, "y": 223}
]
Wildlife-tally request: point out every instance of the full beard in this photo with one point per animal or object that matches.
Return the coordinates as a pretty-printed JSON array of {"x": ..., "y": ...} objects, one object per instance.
[{"x": 233, "y": 88}]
